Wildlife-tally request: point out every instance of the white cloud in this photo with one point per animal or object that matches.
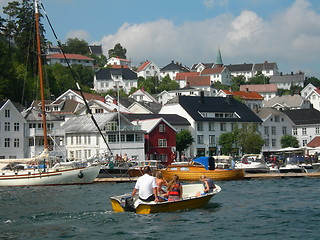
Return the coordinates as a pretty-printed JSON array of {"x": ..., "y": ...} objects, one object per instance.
[
  {"x": 291, "y": 37},
  {"x": 81, "y": 34}
]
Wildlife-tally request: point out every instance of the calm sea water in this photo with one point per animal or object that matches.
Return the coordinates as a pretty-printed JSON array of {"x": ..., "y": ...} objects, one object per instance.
[{"x": 250, "y": 209}]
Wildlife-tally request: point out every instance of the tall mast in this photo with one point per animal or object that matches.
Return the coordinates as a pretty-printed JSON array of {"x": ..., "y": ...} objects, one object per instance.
[{"x": 43, "y": 106}]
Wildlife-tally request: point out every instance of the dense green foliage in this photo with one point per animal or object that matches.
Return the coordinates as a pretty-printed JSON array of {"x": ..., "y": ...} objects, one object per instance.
[
  {"x": 184, "y": 140},
  {"x": 241, "y": 140},
  {"x": 118, "y": 51},
  {"x": 289, "y": 141}
]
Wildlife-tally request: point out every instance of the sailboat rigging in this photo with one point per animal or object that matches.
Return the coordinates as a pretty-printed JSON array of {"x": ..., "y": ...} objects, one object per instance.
[{"x": 32, "y": 173}]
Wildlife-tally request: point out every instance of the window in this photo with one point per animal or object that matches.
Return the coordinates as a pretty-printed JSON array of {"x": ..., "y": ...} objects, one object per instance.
[
  {"x": 266, "y": 130},
  {"x": 284, "y": 130},
  {"x": 7, "y": 142},
  {"x": 273, "y": 130},
  {"x": 31, "y": 142},
  {"x": 7, "y": 126},
  {"x": 162, "y": 128},
  {"x": 7, "y": 113},
  {"x": 304, "y": 142},
  {"x": 277, "y": 118},
  {"x": 130, "y": 137},
  {"x": 317, "y": 130},
  {"x": 16, "y": 142},
  {"x": 211, "y": 126},
  {"x": 212, "y": 139},
  {"x": 162, "y": 142},
  {"x": 295, "y": 131},
  {"x": 273, "y": 142},
  {"x": 112, "y": 138},
  {"x": 16, "y": 127},
  {"x": 139, "y": 137},
  {"x": 200, "y": 139},
  {"x": 266, "y": 142},
  {"x": 304, "y": 131},
  {"x": 223, "y": 127},
  {"x": 200, "y": 126}
]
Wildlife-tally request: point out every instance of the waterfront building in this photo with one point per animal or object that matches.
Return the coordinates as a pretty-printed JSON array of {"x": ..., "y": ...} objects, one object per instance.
[
  {"x": 12, "y": 131},
  {"x": 209, "y": 117},
  {"x": 84, "y": 141}
]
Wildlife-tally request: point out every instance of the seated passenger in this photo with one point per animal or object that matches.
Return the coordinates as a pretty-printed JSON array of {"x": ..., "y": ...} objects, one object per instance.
[
  {"x": 161, "y": 184},
  {"x": 208, "y": 185},
  {"x": 174, "y": 189}
]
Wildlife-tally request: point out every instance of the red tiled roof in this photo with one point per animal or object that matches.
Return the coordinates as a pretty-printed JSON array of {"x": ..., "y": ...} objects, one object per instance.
[
  {"x": 317, "y": 90},
  {"x": 69, "y": 56},
  {"x": 89, "y": 96},
  {"x": 186, "y": 75},
  {"x": 143, "y": 66},
  {"x": 260, "y": 87},
  {"x": 119, "y": 66},
  {"x": 212, "y": 70},
  {"x": 199, "y": 81},
  {"x": 245, "y": 95},
  {"x": 315, "y": 142}
]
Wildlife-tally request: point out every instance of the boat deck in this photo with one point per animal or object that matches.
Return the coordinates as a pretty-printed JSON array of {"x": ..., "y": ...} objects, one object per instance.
[{"x": 247, "y": 176}]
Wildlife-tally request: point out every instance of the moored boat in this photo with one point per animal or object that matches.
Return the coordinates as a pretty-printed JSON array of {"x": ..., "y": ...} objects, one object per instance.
[
  {"x": 253, "y": 163},
  {"x": 201, "y": 166},
  {"x": 137, "y": 168},
  {"x": 40, "y": 170},
  {"x": 190, "y": 200}
]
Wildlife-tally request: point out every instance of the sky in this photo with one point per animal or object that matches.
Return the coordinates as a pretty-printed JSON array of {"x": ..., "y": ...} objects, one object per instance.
[{"x": 191, "y": 31}]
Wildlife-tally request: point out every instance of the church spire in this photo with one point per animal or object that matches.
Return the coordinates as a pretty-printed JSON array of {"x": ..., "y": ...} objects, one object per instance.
[{"x": 219, "y": 62}]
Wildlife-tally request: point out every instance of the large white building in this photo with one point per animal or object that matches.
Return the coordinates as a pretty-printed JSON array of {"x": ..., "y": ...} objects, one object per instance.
[{"x": 12, "y": 131}]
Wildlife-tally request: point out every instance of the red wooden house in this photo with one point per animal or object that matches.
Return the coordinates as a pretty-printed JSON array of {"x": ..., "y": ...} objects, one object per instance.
[{"x": 160, "y": 139}]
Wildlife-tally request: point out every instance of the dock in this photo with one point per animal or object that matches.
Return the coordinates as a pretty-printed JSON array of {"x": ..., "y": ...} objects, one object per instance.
[
  {"x": 247, "y": 176},
  {"x": 281, "y": 175}
]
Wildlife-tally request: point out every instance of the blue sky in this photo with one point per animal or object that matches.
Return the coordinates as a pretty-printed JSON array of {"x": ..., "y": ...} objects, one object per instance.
[{"x": 190, "y": 31}]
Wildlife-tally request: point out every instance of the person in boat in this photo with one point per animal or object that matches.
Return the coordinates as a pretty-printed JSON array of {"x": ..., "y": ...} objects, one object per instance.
[
  {"x": 174, "y": 189},
  {"x": 161, "y": 184},
  {"x": 208, "y": 185},
  {"x": 146, "y": 186}
]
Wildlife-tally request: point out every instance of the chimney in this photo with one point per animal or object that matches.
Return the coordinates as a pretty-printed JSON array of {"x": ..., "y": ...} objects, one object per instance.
[
  {"x": 202, "y": 97},
  {"x": 247, "y": 89},
  {"x": 228, "y": 98}
]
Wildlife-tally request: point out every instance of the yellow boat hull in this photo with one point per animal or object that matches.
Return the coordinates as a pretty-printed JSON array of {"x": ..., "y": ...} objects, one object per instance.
[
  {"x": 193, "y": 173},
  {"x": 191, "y": 201}
]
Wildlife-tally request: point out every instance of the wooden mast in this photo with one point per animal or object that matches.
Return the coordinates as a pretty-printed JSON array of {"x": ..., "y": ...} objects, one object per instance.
[{"x": 43, "y": 106}]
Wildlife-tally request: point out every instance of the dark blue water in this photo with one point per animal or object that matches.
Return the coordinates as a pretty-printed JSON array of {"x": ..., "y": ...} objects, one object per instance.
[{"x": 251, "y": 209}]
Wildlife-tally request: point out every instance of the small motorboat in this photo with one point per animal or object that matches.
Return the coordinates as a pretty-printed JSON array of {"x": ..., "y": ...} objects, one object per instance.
[
  {"x": 292, "y": 165},
  {"x": 190, "y": 200},
  {"x": 253, "y": 163}
]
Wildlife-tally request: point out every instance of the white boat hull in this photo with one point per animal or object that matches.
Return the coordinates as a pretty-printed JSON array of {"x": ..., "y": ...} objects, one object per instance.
[
  {"x": 84, "y": 175},
  {"x": 253, "y": 167}
]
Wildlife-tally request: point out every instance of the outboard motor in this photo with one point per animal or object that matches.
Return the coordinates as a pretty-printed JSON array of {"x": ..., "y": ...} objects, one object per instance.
[
  {"x": 127, "y": 204},
  {"x": 212, "y": 165}
]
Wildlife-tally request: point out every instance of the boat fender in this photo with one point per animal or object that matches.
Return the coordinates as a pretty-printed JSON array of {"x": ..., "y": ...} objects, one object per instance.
[{"x": 80, "y": 174}]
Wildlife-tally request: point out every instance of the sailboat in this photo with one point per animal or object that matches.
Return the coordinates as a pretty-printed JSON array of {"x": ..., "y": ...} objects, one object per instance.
[{"x": 39, "y": 170}]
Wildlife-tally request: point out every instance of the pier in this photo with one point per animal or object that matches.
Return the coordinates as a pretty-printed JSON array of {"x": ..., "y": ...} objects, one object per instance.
[{"x": 248, "y": 176}]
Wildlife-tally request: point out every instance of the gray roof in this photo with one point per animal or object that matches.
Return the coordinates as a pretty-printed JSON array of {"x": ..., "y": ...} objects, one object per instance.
[
  {"x": 174, "y": 66},
  {"x": 105, "y": 73},
  {"x": 303, "y": 116},
  {"x": 240, "y": 67},
  {"x": 286, "y": 101},
  {"x": 267, "y": 111},
  {"x": 289, "y": 78},
  {"x": 84, "y": 123},
  {"x": 265, "y": 66}
]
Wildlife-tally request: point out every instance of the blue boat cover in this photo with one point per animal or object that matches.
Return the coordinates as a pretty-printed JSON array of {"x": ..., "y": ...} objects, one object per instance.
[{"x": 203, "y": 161}]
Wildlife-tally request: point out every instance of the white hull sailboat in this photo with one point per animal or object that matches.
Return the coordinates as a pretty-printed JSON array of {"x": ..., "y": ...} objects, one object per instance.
[{"x": 28, "y": 172}]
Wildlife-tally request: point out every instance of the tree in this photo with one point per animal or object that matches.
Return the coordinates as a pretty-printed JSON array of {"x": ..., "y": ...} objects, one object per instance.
[
  {"x": 244, "y": 140},
  {"x": 167, "y": 84},
  {"x": 76, "y": 46},
  {"x": 289, "y": 141},
  {"x": 226, "y": 141},
  {"x": 313, "y": 80},
  {"x": 259, "y": 78},
  {"x": 237, "y": 81},
  {"x": 118, "y": 51},
  {"x": 184, "y": 140}
]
